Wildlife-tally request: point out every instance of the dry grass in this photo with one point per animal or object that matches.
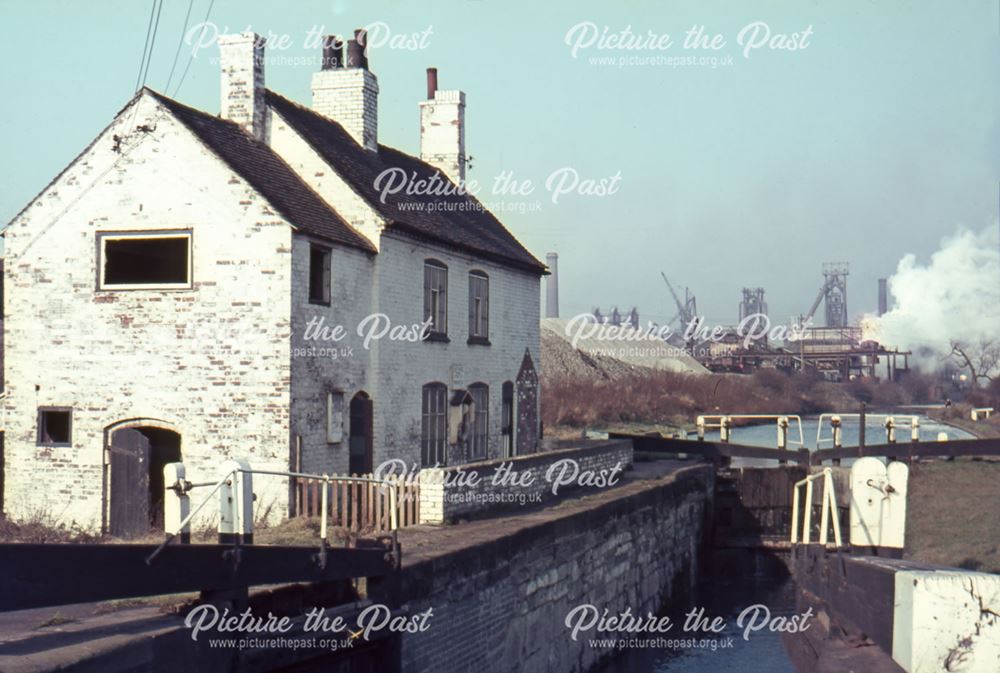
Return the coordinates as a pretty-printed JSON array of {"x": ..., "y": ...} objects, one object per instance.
[
  {"x": 951, "y": 517},
  {"x": 672, "y": 399},
  {"x": 40, "y": 528}
]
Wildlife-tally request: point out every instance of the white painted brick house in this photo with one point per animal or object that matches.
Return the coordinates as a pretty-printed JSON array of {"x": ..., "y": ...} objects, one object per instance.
[{"x": 159, "y": 291}]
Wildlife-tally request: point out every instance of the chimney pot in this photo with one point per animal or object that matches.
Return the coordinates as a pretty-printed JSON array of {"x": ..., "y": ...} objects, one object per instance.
[
  {"x": 333, "y": 52},
  {"x": 357, "y": 50},
  {"x": 432, "y": 82}
]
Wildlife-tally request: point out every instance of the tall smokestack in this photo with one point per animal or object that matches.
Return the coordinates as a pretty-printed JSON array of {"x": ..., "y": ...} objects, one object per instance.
[
  {"x": 883, "y": 296},
  {"x": 552, "y": 286}
]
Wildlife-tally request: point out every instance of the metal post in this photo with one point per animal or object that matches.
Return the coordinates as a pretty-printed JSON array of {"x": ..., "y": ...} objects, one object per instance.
[
  {"x": 838, "y": 435},
  {"x": 176, "y": 503},
  {"x": 324, "y": 505},
  {"x": 836, "y": 517},
  {"x": 782, "y": 436},
  {"x": 795, "y": 514},
  {"x": 824, "y": 519},
  {"x": 807, "y": 528},
  {"x": 914, "y": 429},
  {"x": 700, "y": 423},
  {"x": 393, "y": 515},
  {"x": 724, "y": 426},
  {"x": 861, "y": 428}
]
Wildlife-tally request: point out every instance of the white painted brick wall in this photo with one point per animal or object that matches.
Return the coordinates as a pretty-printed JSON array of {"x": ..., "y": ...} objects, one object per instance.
[
  {"x": 442, "y": 133},
  {"x": 350, "y": 96},
  {"x": 218, "y": 362},
  {"x": 212, "y": 362}
]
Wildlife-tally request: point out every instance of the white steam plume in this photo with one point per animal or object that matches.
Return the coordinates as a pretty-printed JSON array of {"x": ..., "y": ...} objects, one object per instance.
[{"x": 956, "y": 296}]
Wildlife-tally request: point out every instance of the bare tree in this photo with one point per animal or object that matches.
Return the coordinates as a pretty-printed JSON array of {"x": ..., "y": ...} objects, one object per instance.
[{"x": 981, "y": 358}]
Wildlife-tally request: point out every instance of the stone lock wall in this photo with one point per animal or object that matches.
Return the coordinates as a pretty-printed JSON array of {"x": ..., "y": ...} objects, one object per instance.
[{"x": 500, "y": 605}]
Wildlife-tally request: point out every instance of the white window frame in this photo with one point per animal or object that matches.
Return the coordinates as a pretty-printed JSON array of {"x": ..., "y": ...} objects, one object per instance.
[{"x": 102, "y": 240}]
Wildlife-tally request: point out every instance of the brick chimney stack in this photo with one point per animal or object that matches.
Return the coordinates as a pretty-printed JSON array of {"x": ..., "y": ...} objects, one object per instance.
[
  {"x": 241, "y": 60},
  {"x": 442, "y": 129},
  {"x": 346, "y": 91}
]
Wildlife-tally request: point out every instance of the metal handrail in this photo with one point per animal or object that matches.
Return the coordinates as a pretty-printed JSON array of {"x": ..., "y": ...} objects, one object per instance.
[
  {"x": 829, "y": 505},
  {"x": 913, "y": 419},
  {"x": 325, "y": 478},
  {"x": 774, "y": 417}
]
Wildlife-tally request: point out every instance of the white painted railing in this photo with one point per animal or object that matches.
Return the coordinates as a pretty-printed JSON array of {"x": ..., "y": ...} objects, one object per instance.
[
  {"x": 724, "y": 423},
  {"x": 828, "y": 511},
  {"x": 235, "y": 489},
  {"x": 891, "y": 423},
  {"x": 982, "y": 411}
]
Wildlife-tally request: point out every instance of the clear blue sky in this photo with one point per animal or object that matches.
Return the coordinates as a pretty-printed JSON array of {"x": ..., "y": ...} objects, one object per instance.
[{"x": 875, "y": 140}]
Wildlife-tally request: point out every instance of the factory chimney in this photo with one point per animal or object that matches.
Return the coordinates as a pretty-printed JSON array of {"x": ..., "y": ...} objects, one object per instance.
[
  {"x": 552, "y": 286},
  {"x": 883, "y": 296}
]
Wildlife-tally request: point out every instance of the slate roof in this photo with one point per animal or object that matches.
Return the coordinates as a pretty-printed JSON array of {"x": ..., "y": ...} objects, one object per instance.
[
  {"x": 458, "y": 220},
  {"x": 267, "y": 173}
]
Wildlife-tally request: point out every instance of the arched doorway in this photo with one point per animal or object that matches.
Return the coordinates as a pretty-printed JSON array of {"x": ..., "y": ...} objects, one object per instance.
[
  {"x": 360, "y": 433},
  {"x": 136, "y": 455}
]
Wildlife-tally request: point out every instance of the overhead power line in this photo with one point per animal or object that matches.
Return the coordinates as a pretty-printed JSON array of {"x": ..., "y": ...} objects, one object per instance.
[{"x": 180, "y": 44}]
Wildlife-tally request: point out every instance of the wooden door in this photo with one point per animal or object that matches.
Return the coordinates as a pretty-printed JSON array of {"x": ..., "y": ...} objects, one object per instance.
[
  {"x": 129, "y": 498},
  {"x": 360, "y": 439}
]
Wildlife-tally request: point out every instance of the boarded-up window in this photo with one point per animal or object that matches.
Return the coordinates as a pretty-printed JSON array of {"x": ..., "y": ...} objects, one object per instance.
[
  {"x": 479, "y": 306},
  {"x": 436, "y": 297},
  {"x": 132, "y": 260},
  {"x": 507, "y": 419},
  {"x": 434, "y": 425},
  {"x": 334, "y": 417},
  {"x": 480, "y": 393},
  {"x": 55, "y": 426},
  {"x": 319, "y": 275}
]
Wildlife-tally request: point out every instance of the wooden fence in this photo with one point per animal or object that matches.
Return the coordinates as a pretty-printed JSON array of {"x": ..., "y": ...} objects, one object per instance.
[{"x": 360, "y": 504}]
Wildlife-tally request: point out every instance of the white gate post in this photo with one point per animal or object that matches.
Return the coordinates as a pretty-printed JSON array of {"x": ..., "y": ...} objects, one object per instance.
[
  {"x": 890, "y": 430},
  {"x": 227, "y": 505},
  {"x": 244, "y": 501},
  {"x": 176, "y": 503},
  {"x": 236, "y": 503}
]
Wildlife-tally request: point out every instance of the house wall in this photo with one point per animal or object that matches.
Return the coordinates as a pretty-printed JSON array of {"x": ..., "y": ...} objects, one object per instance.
[
  {"x": 321, "y": 366},
  {"x": 212, "y": 362},
  {"x": 393, "y": 372},
  {"x": 392, "y": 283},
  {"x": 405, "y": 367}
]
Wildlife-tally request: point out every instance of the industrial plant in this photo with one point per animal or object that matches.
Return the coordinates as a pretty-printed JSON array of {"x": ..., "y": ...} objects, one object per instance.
[{"x": 838, "y": 349}]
